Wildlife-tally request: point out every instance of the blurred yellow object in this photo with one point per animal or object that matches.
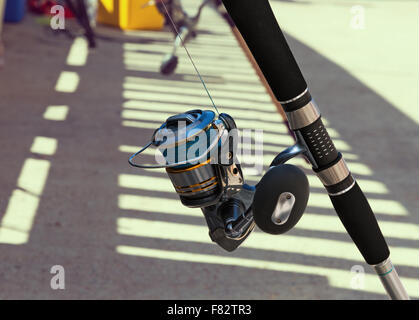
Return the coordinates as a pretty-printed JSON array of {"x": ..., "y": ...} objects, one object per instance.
[{"x": 130, "y": 14}]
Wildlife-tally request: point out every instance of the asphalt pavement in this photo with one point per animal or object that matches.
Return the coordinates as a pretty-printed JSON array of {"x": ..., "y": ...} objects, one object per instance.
[{"x": 71, "y": 118}]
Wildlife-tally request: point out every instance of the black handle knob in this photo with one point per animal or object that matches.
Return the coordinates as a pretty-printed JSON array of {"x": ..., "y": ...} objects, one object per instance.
[{"x": 280, "y": 199}]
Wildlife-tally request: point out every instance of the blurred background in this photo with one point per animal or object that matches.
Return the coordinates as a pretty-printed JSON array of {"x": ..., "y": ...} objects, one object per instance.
[{"x": 83, "y": 88}]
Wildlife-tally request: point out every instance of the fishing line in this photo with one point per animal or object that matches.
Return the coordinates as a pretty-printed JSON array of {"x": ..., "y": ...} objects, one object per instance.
[{"x": 189, "y": 56}]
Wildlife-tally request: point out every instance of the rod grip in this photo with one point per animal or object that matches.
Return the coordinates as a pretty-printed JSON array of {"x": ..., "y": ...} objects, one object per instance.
[
  {"x": 268, "y": 46},
  {"x": 356, "y": 215}
]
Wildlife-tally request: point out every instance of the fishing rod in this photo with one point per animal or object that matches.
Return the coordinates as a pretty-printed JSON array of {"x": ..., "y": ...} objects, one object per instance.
[
  {"x": 257, "y": 24},
  {"x": 199, "y": 151}
]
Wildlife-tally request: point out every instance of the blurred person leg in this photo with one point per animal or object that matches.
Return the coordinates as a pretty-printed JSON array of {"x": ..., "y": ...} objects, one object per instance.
[{"x": 82, "y": 9}]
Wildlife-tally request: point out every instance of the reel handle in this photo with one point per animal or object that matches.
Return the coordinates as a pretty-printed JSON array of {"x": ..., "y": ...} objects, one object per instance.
[{"x": 280, "y": 199}]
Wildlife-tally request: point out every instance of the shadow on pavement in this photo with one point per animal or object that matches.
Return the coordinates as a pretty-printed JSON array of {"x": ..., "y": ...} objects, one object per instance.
[{"x": 76, "y": 224}]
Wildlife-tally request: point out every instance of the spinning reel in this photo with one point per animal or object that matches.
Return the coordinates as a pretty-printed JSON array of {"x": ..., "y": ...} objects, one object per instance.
[{"x": 199, "y": 152}]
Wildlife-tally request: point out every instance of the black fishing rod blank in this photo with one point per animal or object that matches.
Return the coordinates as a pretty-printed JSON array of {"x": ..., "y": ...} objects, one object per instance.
[{"x": 258, "y": 26}]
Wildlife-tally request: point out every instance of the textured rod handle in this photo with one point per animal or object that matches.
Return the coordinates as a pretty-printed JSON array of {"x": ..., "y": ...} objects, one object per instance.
[
  {"x": 259, "y": 28},
  {"x": 356, "y": 215}
]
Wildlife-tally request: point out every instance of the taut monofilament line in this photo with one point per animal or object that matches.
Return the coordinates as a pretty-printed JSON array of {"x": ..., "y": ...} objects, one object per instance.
[{"x": 188, "y": 54}]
